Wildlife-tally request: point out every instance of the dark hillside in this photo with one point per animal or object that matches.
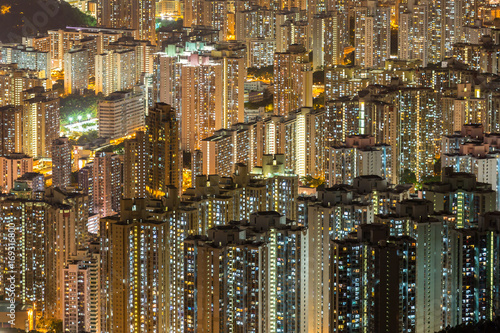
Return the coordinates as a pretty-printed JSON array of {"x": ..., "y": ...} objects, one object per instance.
[{"x": 20, "y": 18}]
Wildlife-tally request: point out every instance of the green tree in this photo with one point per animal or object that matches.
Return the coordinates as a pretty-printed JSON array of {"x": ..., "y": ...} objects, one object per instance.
[
  {"x": 319, "y": 102},
  {"x": 73, "y": 106},
  {"x": 483, "y": 326},
  {"x": 55, "y": 326},
  {"x": 437, "y": 166},
  {"x": 263, "y": 72},
  {"x": 168, "y": 25},
  {"x": 408, "y": 177},
  {"x": 311, "y": 181},
  {"x": 319, "y": 77}
]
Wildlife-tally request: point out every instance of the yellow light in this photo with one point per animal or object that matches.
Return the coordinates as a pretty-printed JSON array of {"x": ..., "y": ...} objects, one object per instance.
[
  {"x": 5, "y": 9},
  {"x": 30, "y": 319},
  {"x": 186, "y": 179}
]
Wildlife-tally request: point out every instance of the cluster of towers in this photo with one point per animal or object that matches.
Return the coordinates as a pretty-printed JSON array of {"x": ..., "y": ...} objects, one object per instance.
[{"x": 265, "y": 166}]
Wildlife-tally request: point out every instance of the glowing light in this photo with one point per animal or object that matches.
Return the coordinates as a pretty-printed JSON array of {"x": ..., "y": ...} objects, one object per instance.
[
  {"x": 30, "y": 319},
  {"x": 318, "y": 90},
  {"x": 5, "y": 9},
  {"x": 186, "y": 179}
]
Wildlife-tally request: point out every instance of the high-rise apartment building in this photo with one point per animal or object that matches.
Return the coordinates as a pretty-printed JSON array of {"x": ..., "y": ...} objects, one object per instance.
[
  {"x": 327, "y": 45},
  {"x": 481, "y": 56},
  {"x": 324, "y": 222},
  {"x": 417, "y": 21},
  {"x": 82, "y": 294},
  {"x": 218, "y": 15},
  {"x": 473, "y": 151},
  {"x": 292, "y": 80},
  {"x": 223, "y": 150},
  {"x": 121, "y": 113},
  {"x": 65, "y": 231},
  {"x": 135, "y": 257},
  {"x": 133, "y": 14},
  {"x": 76, "y": 301},
  {"x": 163, "y": 150},
  {"x": 25, "y": 220},
  {"x": 201, "y": 97},
  {"x": 29, "y": 186},
  {"x": 292, "y": 31},
  {"x": 417, "y": 134},
  {"x": 206, "y": 90},
  {"x": 169, "y": 8},
  {"x": 13, "y": 166},
  {"x": 10, "y": 129},
  {"x": 61, "y": 162},
  {"x": 86, "y": 184},
  {"x": 465, "y": 105},
  {"x": 476, "y": 158},
  {"x": 115, "y": 70},
  {"x": 420, "y": 34},
  {"x": 268, "y": 187},
  {"x": 40, "y": 123},
  {"x": 451, "y": 28},
  {"x": 14, "y": 81},
  {"x": 260, "y": 52},
  {"x": 345, "y": 116},
  {"x": 300, "y": 137},
  {"x": 343, "y": 81},
  {"x": 46, "y": 233},
  {"x": 27, "y": 58},
  {"x": 62, "y": 40},
  {"x": 462, "y": 195},
  {"x": 271, "y": 187},
  {"x": 166, "y": 76},
  {"x": 372, "y": 37},
  {"x": 102, "y": 181},
  {"x": 135, "y": 167},
  {"x": 473, "y": 270},
  {"x": 76, "y": 71},
  {"x": 233, "y": 80},
  {"x": 427, "y": 31},
  {"x": 335, "y": 214},
  {"x": 404, "y": 31},
  {"x": 254, "y": 23},
  {"x": 416, "y": 218},
  {"x": 373, "y": 282},
  {"x": 192, "y": 13},
  {"x": 255, "y": 292},
  {"x": 451, "y": 143},
  {"x": 39, "y": 42},
  {"x": 143, "y": 49},
  {"x": 359, "y": 156},
  {"x": 89, "y": 44},
  {"x": 432, "y": 284},
  {"x": 242, "y": 143}
]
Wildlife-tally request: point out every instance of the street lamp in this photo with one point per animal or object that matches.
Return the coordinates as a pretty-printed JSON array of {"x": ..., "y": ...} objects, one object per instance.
[
  {"x": 79, "y": 118},
  {"x": 70, "y": 119}
]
